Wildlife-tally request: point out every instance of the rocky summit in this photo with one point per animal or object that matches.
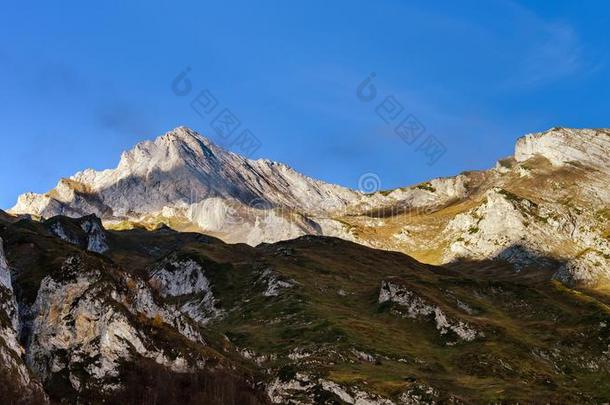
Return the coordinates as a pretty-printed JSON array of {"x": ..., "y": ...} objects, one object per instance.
[
  {"x": 183, "y": 180},
  {"x": 191, "y": 275}
]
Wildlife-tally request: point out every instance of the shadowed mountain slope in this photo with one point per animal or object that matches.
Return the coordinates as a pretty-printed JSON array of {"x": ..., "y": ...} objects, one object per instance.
[{"x": 315, "y": 320}]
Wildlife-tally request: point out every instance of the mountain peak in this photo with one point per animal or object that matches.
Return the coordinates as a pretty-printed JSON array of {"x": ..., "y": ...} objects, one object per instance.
[
  {"x": 567, "y": 145},
  {"x": 187, "y": 137},
  {"x": 184, "y": 134},
  {"x": 178, "y": 147},
  {"x": 180, "y": 174}
]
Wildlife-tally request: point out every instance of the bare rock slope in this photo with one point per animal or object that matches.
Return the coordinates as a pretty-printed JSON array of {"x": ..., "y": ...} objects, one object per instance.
[{"x": 184, "y": 180}]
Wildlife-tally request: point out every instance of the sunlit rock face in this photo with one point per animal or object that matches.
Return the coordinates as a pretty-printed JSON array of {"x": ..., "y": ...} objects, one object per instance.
[
  {"x": 182, "y": 178},
  {"x": 182, "y": 167},
  {"x": 561, "y": 146}
]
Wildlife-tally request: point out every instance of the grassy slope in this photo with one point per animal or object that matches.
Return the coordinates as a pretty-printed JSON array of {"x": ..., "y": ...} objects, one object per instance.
[
  {"x": 526, "y": 323},
  {"x": 516, "y": 318},
  {"x": 542, "y": 341},
  {"x": 536, "y": 180}
]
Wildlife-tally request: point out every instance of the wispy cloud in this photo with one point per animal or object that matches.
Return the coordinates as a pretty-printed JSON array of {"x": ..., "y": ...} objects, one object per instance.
[
  {"x": 549, "y": 50},
  {"x": 558, "y": 53},
  {"x": 108, "y": 108},
  {"x": 123, "y": 118},
  {"x": 57, "y": 77}
]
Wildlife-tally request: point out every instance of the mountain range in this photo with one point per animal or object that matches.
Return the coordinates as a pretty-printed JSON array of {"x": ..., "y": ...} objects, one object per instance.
[
  {"x": 190, "y": 275},
  {"x": 548, "y": 205}
]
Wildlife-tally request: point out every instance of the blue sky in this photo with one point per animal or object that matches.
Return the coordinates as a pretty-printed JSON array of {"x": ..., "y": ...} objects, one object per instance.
[{"x": 79, "y": 84}]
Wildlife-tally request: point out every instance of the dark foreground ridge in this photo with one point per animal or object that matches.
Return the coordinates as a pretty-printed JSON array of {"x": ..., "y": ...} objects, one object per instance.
[{"x": 166, "y": 317}]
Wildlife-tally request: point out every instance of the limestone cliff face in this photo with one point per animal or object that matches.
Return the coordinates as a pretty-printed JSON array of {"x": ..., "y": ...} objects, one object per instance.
[
  {"x": 179, "y": 176},
  {"x": 86, "y": 232},
  {"x": 85, "y": 323},
  {"x": 554, "y": 216},
  {"x": 5, "y": 272},
  {"x": 561, "y": 146},
  {"x": 15, "y": 376},
  {"x": 546, "y": 207},
  {"x": 184, "y": 280}
]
